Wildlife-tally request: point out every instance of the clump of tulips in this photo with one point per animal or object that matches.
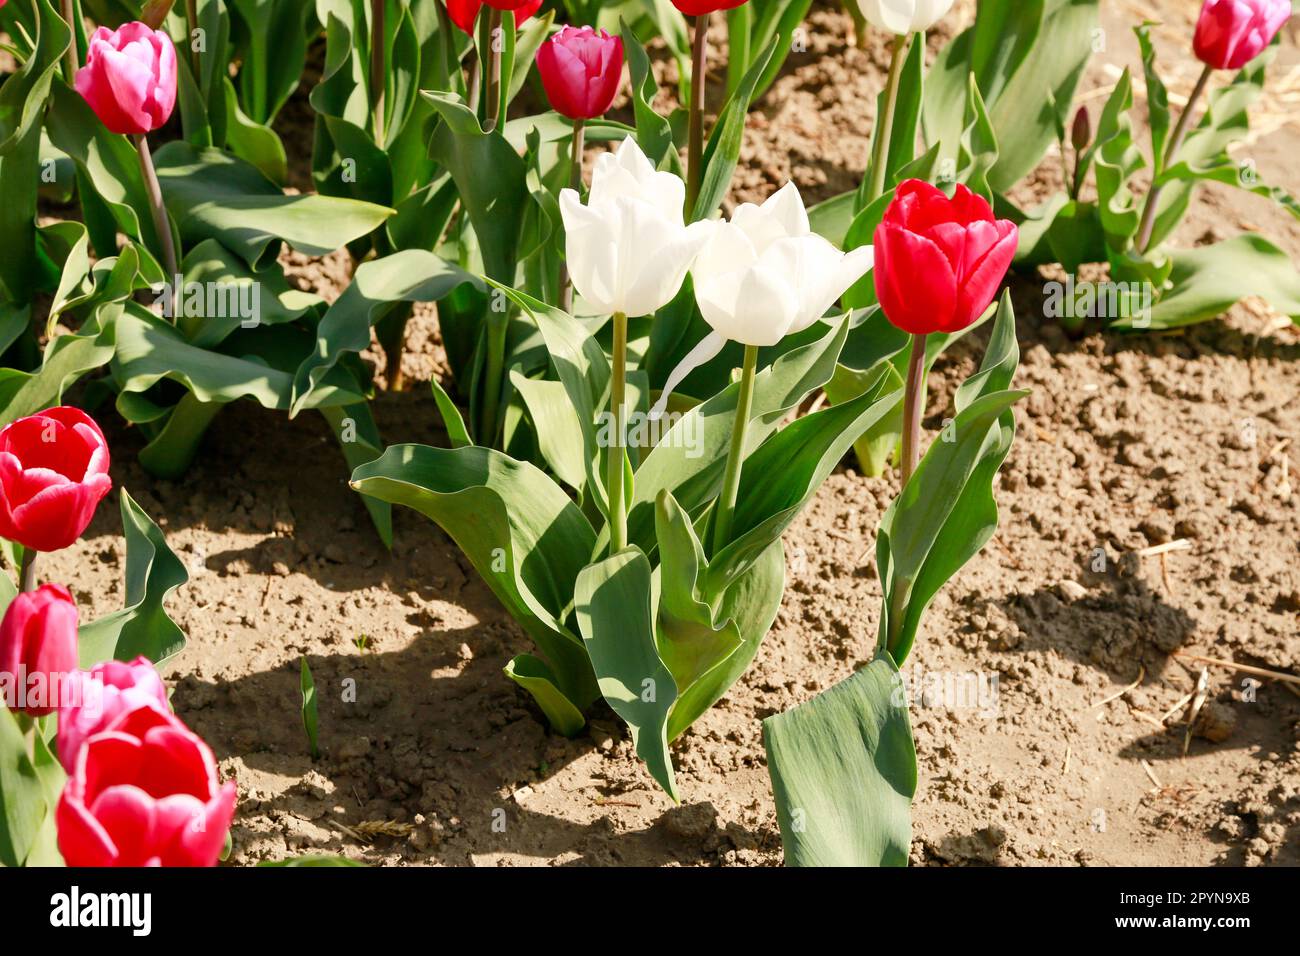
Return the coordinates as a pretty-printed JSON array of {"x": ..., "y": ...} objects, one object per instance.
[{"x": 141, "y": 788}]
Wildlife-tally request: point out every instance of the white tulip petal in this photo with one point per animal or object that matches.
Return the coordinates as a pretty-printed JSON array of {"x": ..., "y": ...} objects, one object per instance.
[
  {"x": 786, "y": 207},
  {"x": 706, "y": 351},
  {"x": 753, "y": 306}
]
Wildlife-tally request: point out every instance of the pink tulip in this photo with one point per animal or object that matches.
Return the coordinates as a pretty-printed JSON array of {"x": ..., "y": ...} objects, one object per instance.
[
  {"x": 114, "y": 695},
  {"x": 129, "y": 78},
  {"x": 38, "y": 649},
  {"x": 581, "y": 69},
  {"x": 1231, "y": 33},
  {"x": 147, "y": 800}
]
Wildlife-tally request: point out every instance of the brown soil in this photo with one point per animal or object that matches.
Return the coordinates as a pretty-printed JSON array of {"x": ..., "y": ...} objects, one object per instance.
[{"x": 1126, "y": 443}]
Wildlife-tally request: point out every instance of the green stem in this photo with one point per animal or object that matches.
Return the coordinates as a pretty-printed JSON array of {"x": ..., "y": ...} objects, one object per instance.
[
  {"x": 498, "y": 325},
  {"x": 695, "y": 125},
  {"x": 70, "y": 58},
  {"x": 913, "y": 408},
  {"x": 736, "y": 454},
  {"x": 614, "y": 473},
  {"x": 885, "y": 122},
  {"x": 160, "y": 222},
  {"x": 1147, "y": 229},
  {"x": 192, "y": 24},
  {"x": 377, "y": 68},
  {"x": 494, "y": 72},
  {"x": 575, "y": 183},
  {"x": 27, "y": 573}
]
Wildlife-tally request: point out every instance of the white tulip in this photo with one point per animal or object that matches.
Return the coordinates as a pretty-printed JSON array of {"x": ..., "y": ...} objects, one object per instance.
[
  {"x": 904, "y": 16},
  {"x": 765, "y": 275},
  {"x": 629, "y": 249}
]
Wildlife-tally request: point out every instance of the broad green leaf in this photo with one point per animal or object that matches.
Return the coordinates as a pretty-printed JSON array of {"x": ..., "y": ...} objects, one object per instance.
[
  {"x": 410, "y": 276},
  {"x": 843, "y": 768},
  {"x": 143, "y": 626},
  {"x": 654, "y": 134},
  {"x": 915, "y": 528},
  {"x": 355, "y": 430},
  {"x": 311, "y": 861},
  {"x": 517, "y": 527},
  {"x": 214, "y": 195},
  {"x": 614, "y": 615},
  {"x": 535, "y": 676},
  {"x": 23, "y": 95},
  {"x": 907, "y": 120},
  {"x": 67, "y": 358},
  {"x": 309, "y": 710},
  {"x": 22, "y": 796},
  {"x": 452, "y": 420}
]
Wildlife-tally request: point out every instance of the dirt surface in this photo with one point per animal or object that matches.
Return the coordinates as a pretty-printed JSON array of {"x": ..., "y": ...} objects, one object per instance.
[{"x": 1058, "y": 756}]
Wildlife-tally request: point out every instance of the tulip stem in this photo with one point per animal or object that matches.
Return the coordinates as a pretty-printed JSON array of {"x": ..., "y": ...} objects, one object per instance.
[
  {"x": 70, "y": 58},
  {"x": 913, "y": 408},
  {"x": 614, "y": 474},
  {"x": 27, "y": 570},
  {"x": 885, "y": 121},
  {"x": 377, "y": 68},
  {"x": 494, "y": 71},
  {"x": 695, "y": 144},
  {"x": 192, "y": 24},
  {"x": 1162, "y": 163},
  {"x": 497, "y": 329},
  {"x": 161, "y": 224},
  {"x": 736, "y": 455},
  {"x": 575, "y": 182}
]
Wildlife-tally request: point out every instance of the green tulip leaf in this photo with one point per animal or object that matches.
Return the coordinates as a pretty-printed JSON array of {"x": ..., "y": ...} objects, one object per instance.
[{"x": 535, "y": 676}]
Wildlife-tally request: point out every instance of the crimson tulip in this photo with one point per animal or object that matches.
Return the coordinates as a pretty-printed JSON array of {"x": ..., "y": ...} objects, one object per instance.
[
  {"x": 939, "y": 261},
  {"x": 464, "y": 13},
  {"x": 146, "y": 799},
  {"x": 581, "y": 69},
  {"x": 113, "y": 695},
  {"x": 1231, "y": 33},
  {"x": 699, "y": 8},
  {"x": 129, "y": 78},
  {"x": 53, "y": 474},
  {"x": 38, "y": 649}
]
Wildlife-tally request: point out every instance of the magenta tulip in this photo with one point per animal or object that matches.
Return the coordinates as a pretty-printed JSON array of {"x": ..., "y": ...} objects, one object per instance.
[
  {"x": 114, "y": 695},
  {"x": 129, "y": 78},
  {"x": 152, "y": 799},
  {"x": 581, "y": 69},
  {"x": 1231, "y": 33},
  {"x": 38, "y": 649}
]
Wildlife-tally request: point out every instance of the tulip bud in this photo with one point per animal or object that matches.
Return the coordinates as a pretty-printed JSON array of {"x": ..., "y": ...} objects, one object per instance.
[
  {"x": 581, "y": 69},
  {"x": 146, "y": 799},
  {"x": 940, "y": 261},
  {"x": 53, "y": 474},
  {"x": 129, "y": 78},
  {"x": 38, "y": 649},
  {"x": 904, "y": 16},
  {"x": 1231, "y": 33},
  {"x": 1081, "y": 133},
  {"x": 464, "y": 13},
  {"x": 110, "y": 696}
]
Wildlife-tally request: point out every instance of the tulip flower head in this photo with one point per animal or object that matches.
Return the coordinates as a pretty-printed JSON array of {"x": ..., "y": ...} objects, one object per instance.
[
  {"x": 148, "y": 799},
  {"x": 904, "y": 16},
  {"x": 38, "y": 649},
  {"x": 699, "y": 8},
  {"x": 1231, "y": 33},
  {"x": 129, "y": 78},
  {"x": 940, "y": 261},
  {"x": 765, "y": 275},
  {"x": 581, "y": 69},
  {"x": 629, "y": 248},
  {"x": 464, "y": 13},
  {"x": 113, "y": 695},
  {"x": 53, "y": 474}
]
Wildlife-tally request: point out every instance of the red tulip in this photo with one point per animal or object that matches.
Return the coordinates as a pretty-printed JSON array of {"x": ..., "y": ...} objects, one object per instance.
[
  {"x": 1231, "y": 33},
  {"x": 581, "y": 69},
  {"x": 129, "y": 78},
  {"x": 38, "y": 649},
  {"x": 151, "y": 799},
  {"x": 695, "y": 8},
  {"x": 465, "y": 12},
  {"x": 114, "y": 695},
  {"x": 53, "y": 474},
  {"x": 939, "y": 261}
]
